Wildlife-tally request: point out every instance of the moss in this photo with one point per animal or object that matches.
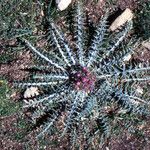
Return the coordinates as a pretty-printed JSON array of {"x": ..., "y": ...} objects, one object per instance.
[
  {"x": 23, "y": 127},
  {"x": 7, "y": 106},
  {"x": 7, "y": 56},
  {"x": 142, "y": 21},
  {"x": 23, "y": 18}
]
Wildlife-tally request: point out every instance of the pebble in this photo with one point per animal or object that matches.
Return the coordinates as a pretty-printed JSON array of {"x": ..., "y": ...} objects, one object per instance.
[
  {"x": 63, "y": 4},
  {"x": 30, "y": 92},
  {"x": 127, "y": 15}
]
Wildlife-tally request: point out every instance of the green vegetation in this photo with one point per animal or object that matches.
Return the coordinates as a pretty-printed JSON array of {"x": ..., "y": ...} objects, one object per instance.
[
  {"x": 7, "y": 55},
  {"x": 92, "y": 84},
  {"x": 142, "y": 21},
  {"x": 30, "y": 20},
  {"x": 7, "y": 107},
  {"x": 17, "y": 18},
  {"x": 23, "y": 128}
]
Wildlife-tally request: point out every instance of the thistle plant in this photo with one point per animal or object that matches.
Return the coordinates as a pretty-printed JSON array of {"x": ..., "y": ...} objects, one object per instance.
[{"x": 91, "y": 85}]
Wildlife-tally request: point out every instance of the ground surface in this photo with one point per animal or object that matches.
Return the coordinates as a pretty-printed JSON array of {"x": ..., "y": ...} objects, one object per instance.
[{"x": 15, "y": 129}]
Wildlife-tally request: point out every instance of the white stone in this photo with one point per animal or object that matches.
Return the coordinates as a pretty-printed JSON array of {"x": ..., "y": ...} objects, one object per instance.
[
  {"x": 127, "y": 15},
  {"x": 127, "y": 58},
  {"x": 63, "y": 4},
  {"x": 30, "y": 92}
]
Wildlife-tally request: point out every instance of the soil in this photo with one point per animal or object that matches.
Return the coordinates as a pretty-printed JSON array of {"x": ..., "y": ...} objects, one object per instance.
[
  {"x": 10, "y": 132},
  {"x": 14, "y": 70}
]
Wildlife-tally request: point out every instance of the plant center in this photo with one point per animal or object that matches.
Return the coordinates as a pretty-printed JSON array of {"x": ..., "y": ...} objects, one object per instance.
[{"x": 82, "y": 78}]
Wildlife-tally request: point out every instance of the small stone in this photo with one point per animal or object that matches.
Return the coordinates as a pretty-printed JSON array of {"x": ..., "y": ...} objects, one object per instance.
[
  {"x": 146, "y": 44},
  {"x": 127, "y": 58},
  {"x": 63, "y": 4},
  {"x": 30, "y": 92},
  {"x": 127, "y": 15}
]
